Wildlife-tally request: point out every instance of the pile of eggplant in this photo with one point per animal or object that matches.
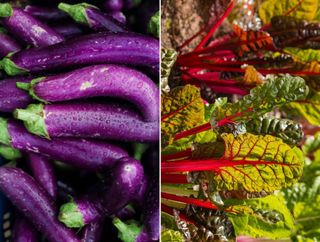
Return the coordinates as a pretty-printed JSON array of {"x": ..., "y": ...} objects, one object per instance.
[{"x": 79, "y": 120}]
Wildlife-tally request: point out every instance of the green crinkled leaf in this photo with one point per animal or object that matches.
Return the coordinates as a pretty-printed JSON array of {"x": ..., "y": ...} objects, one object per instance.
[
  {"x": 171, "y": 236},
  {"x": 302, "y": 9},
  {"x": 303, "y": 55},
  {"x": 154, "y": 25},
  {"x": 168, "y": 221},
  {"x": 288, "y": 130},
  {"x": 208, "y": 136},
  {"x": 307, "y": 108},
  {"x": 277, "y": 91},
  {"x": 311, "y": 144},
  {"x": 261, "y": 217},
  {"x": 303, "y": 201},
  {"x": 254, "y": 163},
  {"x": 181, "y": 109}
]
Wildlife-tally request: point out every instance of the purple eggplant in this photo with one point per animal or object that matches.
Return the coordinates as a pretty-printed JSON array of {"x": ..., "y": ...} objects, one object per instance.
[
  {"x": 92, "y": 17},
  {"x": 119, "y": 16},
  {"x": 27, "y": 28},
  {"x": 67, "y": 30},
  {"x": 12, "y": 97},
  {"x": 100, "y": 80},
  {"x": 150, "y": 160},
  {"x": 7, "y": 44},
  {"x": 43, "y": 171},
  {"x": 86, "y": 154},
  {"x": 113, "y": 5},
  {"x": 101, "y": 48},
  {"x": 87, "y": 120},
  {"x": 93, "y": 232},
  {"x": 152, "y": 211},
  {"x": 127, "y": 177},
  {"x": 45, "y": 13},
  {"x": 23, "y": 231},
  {"x": 34, "y": 203}
]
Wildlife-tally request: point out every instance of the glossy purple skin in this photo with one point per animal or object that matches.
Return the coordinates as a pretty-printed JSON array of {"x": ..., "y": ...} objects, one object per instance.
[
  {"x": 119, "y": 16},
  {"x": 102, "y": 121},
  {"x": 86, "y": 154},
  {"x": 103, "y": 80},
  {"x": 45, "y": 13},
  {"x": 151, "y": 211},
  {"x": 67, "y": 30},
  {"x": 139, "y": 199},
  {"x": 43, "y": 171},
  {"x": 34, "y": 203},
  {"x": 127, "y": 177},
  {"x": 23, "y": 231},
  {"x": 7, "y": 45},
  {"x": 100, "y": 48},
  {"x": 31, "y": 30},
  {"x": 113, "y": 5},
  {"x": 100, "y": 21},
  {"x": 93, "y": 232},
  {"x": 12, "y": 97}
]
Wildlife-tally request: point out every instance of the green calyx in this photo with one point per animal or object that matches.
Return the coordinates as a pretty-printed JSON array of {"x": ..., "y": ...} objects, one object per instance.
[
  {"x": 71, "y": 216},
  {"x": 29, "y": 87},
  {"x": 154, "y": 25},
  {"x": 33, "y": 118},
  {"x": 10, "y": 67},
  {"x": 9, "y": 153},
  {"x": 5, "y": 10},
  {"x": 4, "y": 134},
  {"x": 128, "y": 232},
  {"x": 77, "y": 11}
]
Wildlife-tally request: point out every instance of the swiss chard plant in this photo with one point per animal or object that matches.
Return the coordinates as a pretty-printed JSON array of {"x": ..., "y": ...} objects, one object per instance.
[{"x": 247, "y": 162}]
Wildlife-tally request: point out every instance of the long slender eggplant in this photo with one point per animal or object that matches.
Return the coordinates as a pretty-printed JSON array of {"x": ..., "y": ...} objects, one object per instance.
[
  {"x": 113, "y": 5},
  {"x": 91, "y": 16},
  {"x": 43, "y": 171},
  {"x": 127, "y": 177},
  {"x": 88, "y": 120},
  {"x": 27, "y": 28},
  {"x": 100, "y": 80},
  {"x": 45, "y": 13},
  {"x": 83, "y": 153},
  {"x": 12, "y": 97},
  {"x": 7, "y": 44},
  {"x": 119, "y": 16},
  {"x": 67, "y": 30},
  {"x": 23, "y": 230},
  {"x": 93, "y": 232},
  {"x": 34, "y": 203},
  {"x": 101, "y": 48}
]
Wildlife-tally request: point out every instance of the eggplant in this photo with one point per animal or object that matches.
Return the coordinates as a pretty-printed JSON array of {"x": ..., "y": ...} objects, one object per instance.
[
  {"x": 45, "y": 13},
  {"x": 100, "y": 48},
  {"x": 91, "y": 16},
  {"x": 152, "y": 211},
  {"x": 34, "y": 203},
  {"x": 127, "y": 177},
  {"x": 87, "y": 154},
  {"x": 7, "y": 44},
  {"x": 88, "y": 120},
  {"x": 27, "y": 28},
  {"x": 93, "y": 232},
  {"x": 113, "y": 5},
  {"x": 100, "y": 80},
  {"x": 119, "y": 16},
  {"x": 150, "y": 160},
  {"x": 67, "y": 30},
  {"x": 23, "y": 231},
  {"x": 12, "y": 97},
  {"x": 43, "y": 171}
]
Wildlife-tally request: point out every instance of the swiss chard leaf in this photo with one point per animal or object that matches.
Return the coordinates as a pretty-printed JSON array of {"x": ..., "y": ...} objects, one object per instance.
[
  {"x": 276, "y": 91},
  {"x": 262, "y": 217},
  {"x": 303, "y": 55},
  {"x": 303, "y": 201},
  {"x": 253, "y": 163},
  {"x": 289, "y": 131},
  {"x": 168, "y": 58},
  {"x": 171, "y": 236},
  {"x": 181, "y": 109},
  {"x": 307, "y": 108},
  {"x": 303, "y": 9}
]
